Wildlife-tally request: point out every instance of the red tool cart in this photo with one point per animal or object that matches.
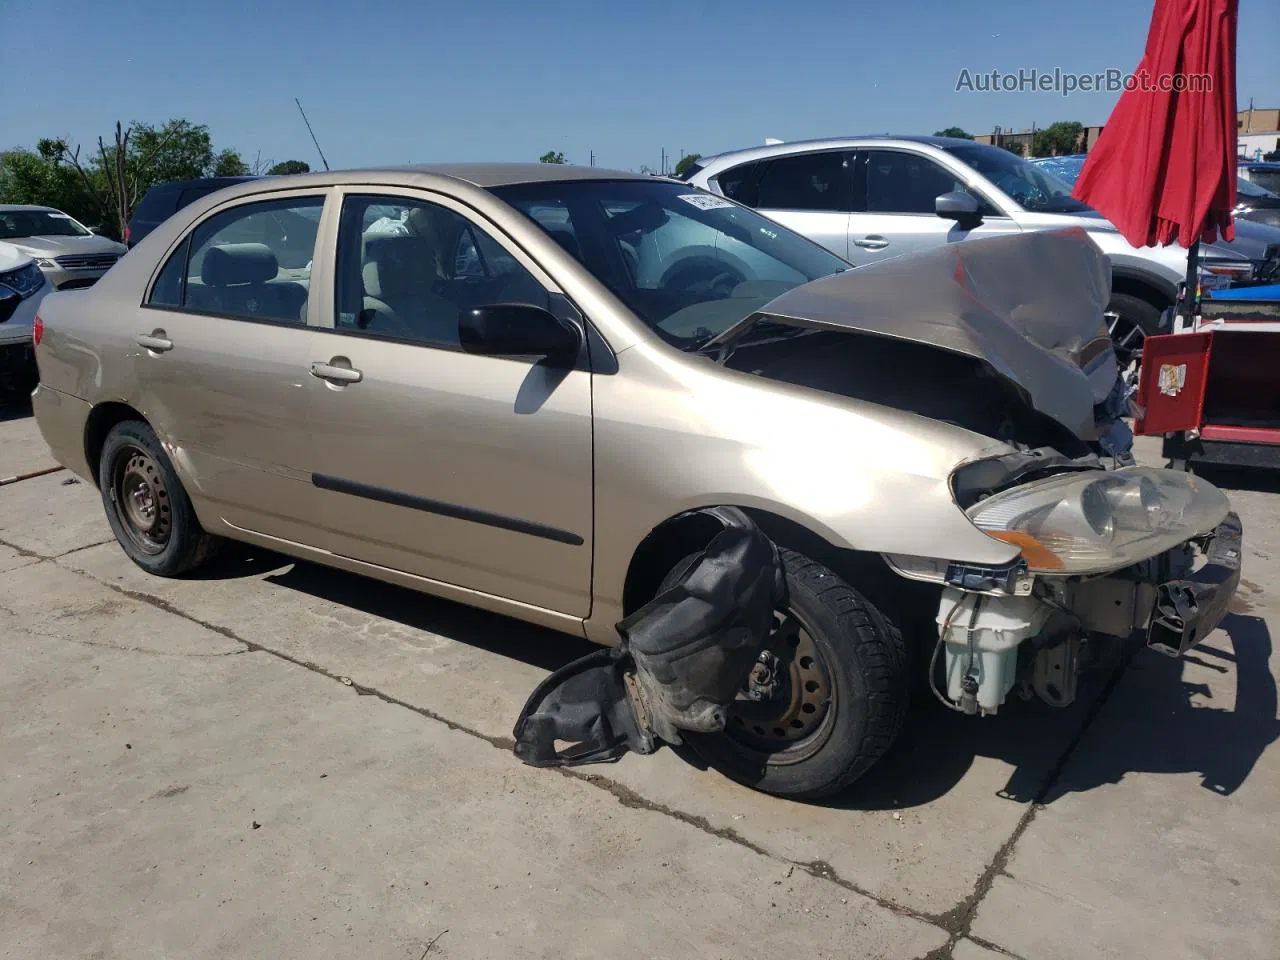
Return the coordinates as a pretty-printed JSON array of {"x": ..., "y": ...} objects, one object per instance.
[{"x": 1212, "y": 387}]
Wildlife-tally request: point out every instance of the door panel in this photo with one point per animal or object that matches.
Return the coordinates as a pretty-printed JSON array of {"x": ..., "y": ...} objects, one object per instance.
[
  {"x": 222, "y": 344},
  {"x": 471, "y": 470},
  {"x": 894, "y": 213},
  {"x": 229, "y": 400}
]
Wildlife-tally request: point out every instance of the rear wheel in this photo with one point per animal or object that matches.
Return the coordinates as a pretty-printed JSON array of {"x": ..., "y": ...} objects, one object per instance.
[
  {"x": 826, "y": 699},
  {"x": 147, "y": 507}
]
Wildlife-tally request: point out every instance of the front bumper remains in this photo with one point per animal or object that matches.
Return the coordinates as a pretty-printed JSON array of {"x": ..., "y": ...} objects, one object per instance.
[
  {"x": 1186, "y": 611},
  {"x": 682, "y": 660}
]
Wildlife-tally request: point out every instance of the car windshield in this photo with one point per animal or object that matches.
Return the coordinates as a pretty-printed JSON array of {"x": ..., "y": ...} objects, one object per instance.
[
  {"x": 16, "y": 224},
  {"x": 1066, "y": 169},
  {"x": 1032, "y": 188},
  {"x": 687, "y": 263}
]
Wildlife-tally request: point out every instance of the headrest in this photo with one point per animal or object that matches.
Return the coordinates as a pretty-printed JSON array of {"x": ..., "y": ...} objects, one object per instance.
[
  {"x": 230, "y": 264},
  {"x": 395, "y": 265}
]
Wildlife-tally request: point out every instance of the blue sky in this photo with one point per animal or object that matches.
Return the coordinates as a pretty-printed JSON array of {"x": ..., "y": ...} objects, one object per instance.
[{"x": 395, "y": 81}]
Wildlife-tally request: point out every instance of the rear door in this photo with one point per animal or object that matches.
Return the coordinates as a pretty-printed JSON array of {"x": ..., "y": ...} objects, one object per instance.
[
  {"x": 221, "y": 363},
  {"x": 468, "y": 470},
  {"x": 808, "y": 192},
  {"x": 895, "y": 193}
]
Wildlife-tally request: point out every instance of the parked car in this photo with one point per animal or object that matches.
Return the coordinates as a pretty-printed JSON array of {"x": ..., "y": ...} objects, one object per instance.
[
  {"x": 869, "y": 198},
  {"x": 1252, "y": 201},
  {"x": 546, "y": 429},
  {"x": 165, "y": 199},
  {"x": 67, "y": 252},
  {"x": 1265, "y": 174},
  {"x": 22, "y": 288}
]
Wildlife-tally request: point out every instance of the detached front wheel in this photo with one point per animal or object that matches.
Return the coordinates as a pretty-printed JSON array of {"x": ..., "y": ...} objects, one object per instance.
[{"x": 825, "y": 701}]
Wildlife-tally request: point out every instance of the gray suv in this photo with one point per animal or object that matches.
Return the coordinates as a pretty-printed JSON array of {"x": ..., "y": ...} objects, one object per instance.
[
  {"x": 68, "y": 253},
  {"x": 869, "y": 198}
]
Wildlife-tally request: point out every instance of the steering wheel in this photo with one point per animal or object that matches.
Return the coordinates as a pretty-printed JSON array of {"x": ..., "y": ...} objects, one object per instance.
[{"x": 703, "y": 278}]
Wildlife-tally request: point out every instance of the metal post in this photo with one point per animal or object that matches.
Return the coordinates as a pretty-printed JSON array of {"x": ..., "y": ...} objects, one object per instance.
[{"x": 1190, "y": 305}]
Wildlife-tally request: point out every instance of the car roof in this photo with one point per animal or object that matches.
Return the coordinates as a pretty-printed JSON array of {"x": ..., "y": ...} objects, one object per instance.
[
  {"x": 203, "y": 181},
  {"x": 1260, "y": 164},
  {"x": 14, "y": 207},
  {"x": 789, "y": 146}
]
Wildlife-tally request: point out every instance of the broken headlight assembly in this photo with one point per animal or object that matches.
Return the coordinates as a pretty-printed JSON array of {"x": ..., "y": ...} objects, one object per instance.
[{"x": 1092, "y": 522}]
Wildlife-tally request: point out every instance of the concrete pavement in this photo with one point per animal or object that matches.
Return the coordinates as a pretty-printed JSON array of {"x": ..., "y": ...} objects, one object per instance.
[{"x": 153, "y": 722}]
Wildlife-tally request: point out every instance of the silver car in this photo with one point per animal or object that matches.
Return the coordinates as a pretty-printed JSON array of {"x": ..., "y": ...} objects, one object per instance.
[
  {"x": 68, "y": 253},
  {"x": 541, "y": 390},
  {"x": 870, "y": 198}
]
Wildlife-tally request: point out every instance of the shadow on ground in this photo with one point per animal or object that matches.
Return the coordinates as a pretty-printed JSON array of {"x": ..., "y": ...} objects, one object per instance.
[
  {"x": 1157, "y": 726},
  {"x": 14, "y": 407}
]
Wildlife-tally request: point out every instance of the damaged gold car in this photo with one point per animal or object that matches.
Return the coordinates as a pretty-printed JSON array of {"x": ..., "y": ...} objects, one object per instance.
[{"x": 774, "y": 487}]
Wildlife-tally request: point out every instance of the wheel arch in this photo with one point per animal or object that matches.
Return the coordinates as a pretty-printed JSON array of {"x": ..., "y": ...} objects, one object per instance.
[
  {"x": 101, "y": 419},
  {"x": 1143, "y": 286},
  {"x": 911, "y": 603}
]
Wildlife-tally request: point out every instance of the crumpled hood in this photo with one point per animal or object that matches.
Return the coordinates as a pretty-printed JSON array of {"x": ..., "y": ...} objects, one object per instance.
[
  {"x": 61, "y": 246},
  {"x": 1030, "y": 305}
]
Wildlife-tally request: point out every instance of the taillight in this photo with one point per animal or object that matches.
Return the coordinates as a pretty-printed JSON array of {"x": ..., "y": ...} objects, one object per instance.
[
  {"x": 37, "y": 330},
  {"x": 127, "y": 233}
]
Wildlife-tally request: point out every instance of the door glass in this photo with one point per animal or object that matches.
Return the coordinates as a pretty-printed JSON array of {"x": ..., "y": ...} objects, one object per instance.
[
  {"x": 808, "y": 181},
  {"x": 408, "y": 268},
  {"x": 901, "y": 182},
  {"x": 251, "y": 262},
  {"x": 740, "y": 184}
]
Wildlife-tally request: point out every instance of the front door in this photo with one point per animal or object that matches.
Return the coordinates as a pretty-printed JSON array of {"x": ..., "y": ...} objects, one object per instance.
[
  {"x": 222, "y": 346},
  {"x": 895, "y": 193},
  {"x": 472, "y": 471}
]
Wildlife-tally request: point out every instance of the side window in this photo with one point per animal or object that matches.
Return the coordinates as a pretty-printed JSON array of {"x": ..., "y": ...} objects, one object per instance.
[
  {"x": 407, "y": 269},
  {"x": 807, "y": 181},
  {"x": 251, "y": 262},
  {"x": 740, "y": 183},
  {"x": 900, "y": 182},
  {"x": 167, "y": 291}
]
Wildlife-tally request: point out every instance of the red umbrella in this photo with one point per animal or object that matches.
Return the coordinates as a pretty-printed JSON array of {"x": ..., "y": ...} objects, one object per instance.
[{"x": 1164, "y": 167}]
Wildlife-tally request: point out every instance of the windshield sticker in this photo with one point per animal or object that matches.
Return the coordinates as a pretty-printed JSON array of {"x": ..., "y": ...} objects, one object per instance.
[{"x": 705, "y": 201}]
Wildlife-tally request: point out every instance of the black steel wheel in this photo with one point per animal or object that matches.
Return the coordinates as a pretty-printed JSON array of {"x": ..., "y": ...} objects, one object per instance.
[{"x": 147, "y": 507}]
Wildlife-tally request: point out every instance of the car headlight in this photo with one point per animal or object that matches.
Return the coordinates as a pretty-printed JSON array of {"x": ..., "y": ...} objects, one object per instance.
[{"x": 1092, "y": 522}]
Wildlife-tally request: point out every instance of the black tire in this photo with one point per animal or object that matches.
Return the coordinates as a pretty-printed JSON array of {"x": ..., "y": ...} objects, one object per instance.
[
  {"x": 1139, "y": 319},
  {"x": 133, "y": 458},
  {"x": 866, "y": 664}
]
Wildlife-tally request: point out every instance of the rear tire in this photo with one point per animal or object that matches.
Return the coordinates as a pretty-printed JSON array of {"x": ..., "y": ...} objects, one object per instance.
[
  {"x": 859, "y": 665},
  {"x": 1139, "y": 319},
  {"x": 147, "y": 507}
]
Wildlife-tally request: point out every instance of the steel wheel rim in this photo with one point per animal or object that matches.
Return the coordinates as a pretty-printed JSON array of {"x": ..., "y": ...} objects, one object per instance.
[
  {"x": 796, "y": 724},
  {"x": 140, "y": 499},
  {"x": 1129, "y": 339}
]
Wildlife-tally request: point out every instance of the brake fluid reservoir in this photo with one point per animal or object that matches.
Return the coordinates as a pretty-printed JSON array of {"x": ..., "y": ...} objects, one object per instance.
[{"x": 985, "y": 645}]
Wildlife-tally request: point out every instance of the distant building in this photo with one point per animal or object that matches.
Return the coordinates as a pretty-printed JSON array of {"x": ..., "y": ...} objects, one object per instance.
[{"x": 1257, "y": 132}]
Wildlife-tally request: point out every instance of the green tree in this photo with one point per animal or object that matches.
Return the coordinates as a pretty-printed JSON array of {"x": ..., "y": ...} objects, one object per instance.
[
  {"x": 953, "y": 132},
  {"x": 28, "y": 176},
  {"x": 1013, "y": 146},
  {"x": 552, "y": 156},
  {"x": 685, "y": 166},
  {"x": 1057, "y": 139},
  {"x": 285, "y": 167},
  {"x": 228, "y": 163}
]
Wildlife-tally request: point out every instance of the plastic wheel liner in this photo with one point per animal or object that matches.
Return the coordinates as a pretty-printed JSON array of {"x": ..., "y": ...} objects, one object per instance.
[{"x": 683, "y": 659}]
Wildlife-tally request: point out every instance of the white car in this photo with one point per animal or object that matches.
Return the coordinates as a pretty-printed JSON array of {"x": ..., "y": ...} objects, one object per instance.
[
  {"x": 871, "y": 198},
  {"x": 22, "y": 287}
]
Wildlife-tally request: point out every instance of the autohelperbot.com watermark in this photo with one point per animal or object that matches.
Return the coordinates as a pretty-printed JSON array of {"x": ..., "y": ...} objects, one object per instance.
[{"x": 1064, "y": 82}]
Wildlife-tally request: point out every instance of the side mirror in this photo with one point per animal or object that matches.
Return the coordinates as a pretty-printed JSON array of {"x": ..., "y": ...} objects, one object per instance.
[
  {"x": 959, "y": 206},
  {"x": 517, "y": 330}
]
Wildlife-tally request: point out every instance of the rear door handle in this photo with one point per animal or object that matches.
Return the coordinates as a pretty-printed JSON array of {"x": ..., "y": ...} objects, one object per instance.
[
  {"x": 155, "y": 341},
  {"x": 872, "y": 242},
  {"x": 335, "y": 373}
]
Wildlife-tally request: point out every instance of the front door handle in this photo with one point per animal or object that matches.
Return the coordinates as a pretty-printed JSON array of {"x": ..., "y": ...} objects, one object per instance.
[
  {"x": 872, "y": 242},
  {"x": 155, "y": 341},
  {"x": 336, "y": 373}
]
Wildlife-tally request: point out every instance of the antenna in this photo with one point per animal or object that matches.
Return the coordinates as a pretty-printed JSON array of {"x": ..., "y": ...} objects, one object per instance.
[{"x": 312, "y": 132}]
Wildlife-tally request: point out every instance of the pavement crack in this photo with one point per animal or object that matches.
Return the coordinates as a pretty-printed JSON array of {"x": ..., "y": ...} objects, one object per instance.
[
  {"x": 87, "y": 546},
  {"x": 22, "y": 551},
  {"x": 959, "y": 920}
]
